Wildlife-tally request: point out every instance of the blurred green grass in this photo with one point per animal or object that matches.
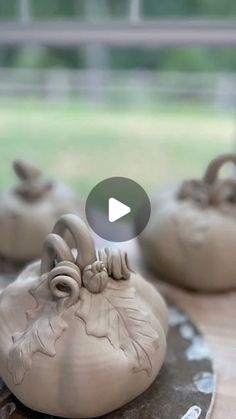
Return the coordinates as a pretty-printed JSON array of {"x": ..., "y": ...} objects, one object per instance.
[{"x": 82, "y": 145}]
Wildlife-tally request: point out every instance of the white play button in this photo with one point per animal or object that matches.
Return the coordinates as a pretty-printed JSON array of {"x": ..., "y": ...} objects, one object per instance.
[
  {"x": 114, "y": 206},
  {"x": 117, "y": 210}
]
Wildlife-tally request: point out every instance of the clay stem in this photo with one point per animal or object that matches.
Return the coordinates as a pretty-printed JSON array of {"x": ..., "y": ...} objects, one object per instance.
[
  {"x": 213, "y": 168},
  {"x": 82, "y": 237},
  {"x": 25, "y": 171},
  {"x": 54, "y": 247}
]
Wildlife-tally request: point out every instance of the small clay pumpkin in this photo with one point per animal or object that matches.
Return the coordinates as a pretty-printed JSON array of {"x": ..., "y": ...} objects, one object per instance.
[
  {"x": 81, "y": 334},
  {"x": 29, "y": 211},
  {"x": 191, "y": 236}
]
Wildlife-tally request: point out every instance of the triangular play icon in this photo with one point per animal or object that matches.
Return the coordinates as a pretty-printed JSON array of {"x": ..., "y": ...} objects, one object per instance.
[{"x": 117, "y": 210}]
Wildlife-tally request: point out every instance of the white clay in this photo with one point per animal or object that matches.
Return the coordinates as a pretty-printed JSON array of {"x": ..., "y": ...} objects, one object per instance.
[
  {"x": 80, "y": 337},
  {"x": 191, "y": 236}
]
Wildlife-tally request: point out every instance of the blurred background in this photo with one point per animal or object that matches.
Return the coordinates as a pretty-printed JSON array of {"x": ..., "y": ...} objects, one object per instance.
[{"x": 139, "y": 88}]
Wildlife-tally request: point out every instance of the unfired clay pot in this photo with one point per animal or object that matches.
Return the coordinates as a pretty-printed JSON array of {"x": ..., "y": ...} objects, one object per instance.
[
  {"x": 191, "y": 236},
  {"x": 29, "y": 211},
  {"x": 80, "y": 333}
]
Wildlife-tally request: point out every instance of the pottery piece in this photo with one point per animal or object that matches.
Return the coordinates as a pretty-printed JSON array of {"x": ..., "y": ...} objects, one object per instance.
[
  {"x": 184, "y": 388},
  {"x": 191, "y": 236},
  {"x": 29, "y": 211},
  {"x": 81, "y": 334}
]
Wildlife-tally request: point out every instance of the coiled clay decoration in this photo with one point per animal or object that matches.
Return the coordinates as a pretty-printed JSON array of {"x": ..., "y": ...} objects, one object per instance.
[
  {"x": 29, "y": 211},
  {"x": 191, "y": 236},
  {"x": 80, "y": 333}
]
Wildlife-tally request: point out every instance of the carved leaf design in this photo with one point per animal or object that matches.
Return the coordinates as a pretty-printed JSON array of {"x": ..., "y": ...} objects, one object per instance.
[
  {"x": 45, "y": 326},
  {"x": 116, "y": 315}
]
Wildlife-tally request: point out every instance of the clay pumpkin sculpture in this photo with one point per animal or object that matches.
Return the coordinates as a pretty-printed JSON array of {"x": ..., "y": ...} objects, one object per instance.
[
  {"x": 191, "y": 237},
  {"x": 80, "y": 333},
  {"x": 29, "y": 211}
]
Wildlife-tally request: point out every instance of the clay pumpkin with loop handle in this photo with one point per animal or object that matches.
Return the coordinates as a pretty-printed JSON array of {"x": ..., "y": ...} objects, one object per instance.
[
  {"x": 29, "y": 211},
  {"x": 191, "y": 236},
  {"x": 81, "y": 334}
]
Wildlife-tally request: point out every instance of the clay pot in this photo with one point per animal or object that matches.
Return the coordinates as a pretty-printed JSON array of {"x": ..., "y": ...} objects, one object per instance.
[
  {"x": 29, "y": 211},
  {"x": 80, "y": 333},
  {"x": 191, "y": 237}
]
